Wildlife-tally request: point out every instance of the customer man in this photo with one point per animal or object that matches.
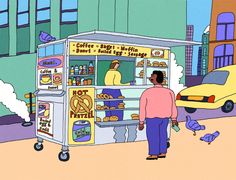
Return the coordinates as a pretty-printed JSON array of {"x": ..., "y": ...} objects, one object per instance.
[{"x": 157, "y": 105}]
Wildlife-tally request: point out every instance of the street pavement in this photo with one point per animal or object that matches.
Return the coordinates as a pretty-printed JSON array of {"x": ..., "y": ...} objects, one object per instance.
[{"x": 187, "y": 158}]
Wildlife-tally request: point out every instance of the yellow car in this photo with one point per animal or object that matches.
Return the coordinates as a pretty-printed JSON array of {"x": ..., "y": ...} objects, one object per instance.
[{"x": 218, "y": 89}]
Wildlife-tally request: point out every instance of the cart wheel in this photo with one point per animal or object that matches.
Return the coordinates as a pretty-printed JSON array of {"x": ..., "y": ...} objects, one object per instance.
[
  {"x": 38, "y": 147},
  {"x": 64, "y": 156},
  {"x": 168, "y": 144}
]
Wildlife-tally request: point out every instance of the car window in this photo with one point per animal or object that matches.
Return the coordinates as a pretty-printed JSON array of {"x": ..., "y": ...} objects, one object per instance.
[{"x": 216, "y": 77}]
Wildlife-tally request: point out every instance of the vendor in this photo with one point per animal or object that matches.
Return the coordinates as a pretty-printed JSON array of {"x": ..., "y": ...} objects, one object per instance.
[{"x": 113, "y": 78}]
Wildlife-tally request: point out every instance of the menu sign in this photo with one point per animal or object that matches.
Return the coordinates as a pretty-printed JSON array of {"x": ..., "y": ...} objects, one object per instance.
[
  {"x": 45, "y": 119},
  {"x": 50, "y": 72},
  {"x": 84, "y": 48},
  {"x": 81, "y": 116}
]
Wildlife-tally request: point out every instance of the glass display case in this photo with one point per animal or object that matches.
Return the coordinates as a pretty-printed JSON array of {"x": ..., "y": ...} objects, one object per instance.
[
  {"x": 128, "y": 107},
  {"x": 145, "y": 67}
]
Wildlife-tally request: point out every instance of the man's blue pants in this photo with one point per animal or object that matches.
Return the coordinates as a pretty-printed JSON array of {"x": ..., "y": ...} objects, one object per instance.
[{"x": 156, "y": 131}]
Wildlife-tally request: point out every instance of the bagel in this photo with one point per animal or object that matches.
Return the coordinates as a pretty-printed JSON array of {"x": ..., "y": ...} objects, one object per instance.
[
  {"x": 101, "y": 96},
  {"x": 106, "y": 96},
  {"x": 114, "y": 118},
  {"x": 121, "y": 97},
  {"x": 98, "y": 107},
  {"x": 98, "y": 119},
  {"x": 106, "y": 119}
]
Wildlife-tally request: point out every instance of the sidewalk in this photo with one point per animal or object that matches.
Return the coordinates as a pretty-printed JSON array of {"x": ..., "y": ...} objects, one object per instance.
[{"x": 187, "y": 158}]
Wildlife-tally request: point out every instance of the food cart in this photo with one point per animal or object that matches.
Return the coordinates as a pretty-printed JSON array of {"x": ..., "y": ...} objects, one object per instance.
[{"x": 71, "y": 106}]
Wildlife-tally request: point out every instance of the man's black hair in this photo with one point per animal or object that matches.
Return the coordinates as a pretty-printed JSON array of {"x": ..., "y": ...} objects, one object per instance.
[{"x": 160, "y": 76}]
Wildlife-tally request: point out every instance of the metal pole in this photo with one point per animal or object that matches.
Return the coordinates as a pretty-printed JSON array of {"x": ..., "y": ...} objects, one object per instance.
[{"x": 30, "y": 99}]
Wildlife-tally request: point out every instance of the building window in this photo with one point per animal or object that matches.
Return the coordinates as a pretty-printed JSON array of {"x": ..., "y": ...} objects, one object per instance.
[
  {"x": 42, "y": 11},
  {"x": 22, "y": 13},
  {"x": 223, "y": 55},
  {"x": 54, "y": 49},
  {"x": 205, "y": 52},
  {"x": 4, "y": 13},
  {"x": 225, "y": 26},
  {"x": 205, "y": 40},
  {"x": 69, "y": 11}
]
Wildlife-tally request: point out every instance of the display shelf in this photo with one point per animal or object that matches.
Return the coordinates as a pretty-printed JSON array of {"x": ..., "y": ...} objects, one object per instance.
[
  {"x": 153, "y": 67},
  {"x": 125, "y": 109},
  {"x": 139, "y": 77},
  {"x": 125, "y": 99},
  {"x": 82, "y": 75},
  {"x": 117, "y": 123},
  {"x": 147, "y": 77}
]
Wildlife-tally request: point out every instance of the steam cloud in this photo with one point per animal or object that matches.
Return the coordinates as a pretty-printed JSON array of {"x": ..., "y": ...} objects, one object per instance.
[
  {"x": 176, "y": 72},
  {"x": 8, "y": 98}
]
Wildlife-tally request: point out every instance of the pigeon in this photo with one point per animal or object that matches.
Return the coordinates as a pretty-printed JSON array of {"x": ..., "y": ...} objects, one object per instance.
[
  {"x": 210, "y": 137},
  {"x": 45, "y": 37},
  {"x": 193, "y": 125}
]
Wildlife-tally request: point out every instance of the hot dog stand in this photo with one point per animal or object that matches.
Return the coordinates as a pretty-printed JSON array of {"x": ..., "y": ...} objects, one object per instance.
[{"x": 71, "y": 106}]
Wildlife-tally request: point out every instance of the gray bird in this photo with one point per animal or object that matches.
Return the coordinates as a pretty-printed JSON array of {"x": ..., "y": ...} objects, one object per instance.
[
  {"x": 209, "y": 138},
  {"x": 193, "y": 125}
]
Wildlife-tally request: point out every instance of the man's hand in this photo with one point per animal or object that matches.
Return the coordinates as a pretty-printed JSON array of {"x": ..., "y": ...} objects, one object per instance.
[
  {"x": 175, "y": 122},
  {"x": 141, "y": 126}
]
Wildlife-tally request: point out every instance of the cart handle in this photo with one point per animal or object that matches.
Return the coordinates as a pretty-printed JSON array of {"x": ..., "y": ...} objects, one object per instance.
[{"x": 38, "y": 94}]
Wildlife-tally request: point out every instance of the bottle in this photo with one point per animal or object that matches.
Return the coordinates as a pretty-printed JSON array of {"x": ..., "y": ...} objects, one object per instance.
[
  {"x": 76, "y": 70},
  {"x": 82, "y": 81},
  {"x": 91, "y": 68},
  {"x": 85, "y": 82},
  {"x": 85, "y": 69},
  {"x": 69, "y": 82},
  {"x": 74, "y": 82},
  {"x": 78, "y": 81},
  {"x": 72, "y": 70},
  {"x": 80, "y": 70}
]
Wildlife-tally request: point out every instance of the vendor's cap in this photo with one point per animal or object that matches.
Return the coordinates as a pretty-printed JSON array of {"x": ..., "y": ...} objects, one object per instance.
[{"x": 115, "y": 61}]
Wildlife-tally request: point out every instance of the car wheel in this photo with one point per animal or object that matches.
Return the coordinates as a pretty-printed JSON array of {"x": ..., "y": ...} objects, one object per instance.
[
  {"x": 190, "y": 110},
  {"x": 228, "y": 106}
]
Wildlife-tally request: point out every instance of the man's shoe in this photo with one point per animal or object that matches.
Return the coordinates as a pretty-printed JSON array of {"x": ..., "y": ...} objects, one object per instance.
[
  {"x": 162, "y": 156},
  {"x": 152, "y": 158}
]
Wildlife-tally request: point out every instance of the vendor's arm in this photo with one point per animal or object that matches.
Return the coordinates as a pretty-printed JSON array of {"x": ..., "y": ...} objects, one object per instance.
[
  {"x": 117, "y": 79},
  {"x": 142, "y": 108}
]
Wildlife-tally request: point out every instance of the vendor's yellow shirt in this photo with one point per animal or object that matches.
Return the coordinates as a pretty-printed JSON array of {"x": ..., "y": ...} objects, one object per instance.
[{"x": 113, "y": 78}]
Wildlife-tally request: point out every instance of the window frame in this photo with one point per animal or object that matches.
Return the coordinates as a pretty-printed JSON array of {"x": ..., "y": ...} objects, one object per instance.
[
  {"x": 226, "y": 25},
  {"x": 23, "y": 12},
  {"x": 65, "y": 11},
  {"x": 224, "y": 56},
  {"x": 7, "y": 11},
  {"x": 42, "y": 9}
]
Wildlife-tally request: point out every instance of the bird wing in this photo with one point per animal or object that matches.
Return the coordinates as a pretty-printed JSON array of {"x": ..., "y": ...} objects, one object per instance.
[{"x": 207, "y": 138}]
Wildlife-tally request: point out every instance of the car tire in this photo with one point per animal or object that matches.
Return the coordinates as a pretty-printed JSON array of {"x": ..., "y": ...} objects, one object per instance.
[
  {"x": 190, "y": 110},
  {"x": 228, "y": 106}
]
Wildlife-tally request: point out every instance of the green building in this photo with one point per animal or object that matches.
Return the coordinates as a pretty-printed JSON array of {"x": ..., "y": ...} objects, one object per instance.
[
  {"x": 22, "y": 20},
  {"x": 205, "y": 53}
]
